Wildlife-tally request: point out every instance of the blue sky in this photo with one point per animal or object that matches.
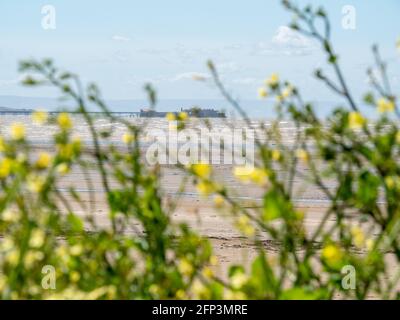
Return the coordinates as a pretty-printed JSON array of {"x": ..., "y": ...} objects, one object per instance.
[{"x": 122, "y": 44}]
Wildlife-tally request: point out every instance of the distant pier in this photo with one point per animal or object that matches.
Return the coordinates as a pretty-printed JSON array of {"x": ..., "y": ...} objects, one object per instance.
[{"x": 193, "y": 112}]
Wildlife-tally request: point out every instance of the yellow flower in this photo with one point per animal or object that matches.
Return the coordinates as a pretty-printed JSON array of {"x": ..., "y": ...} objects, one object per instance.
[
  {"x": 40, "y": 117},
  {"x": 202, "y": 170},
  {"x": 17, "y": 131},
  {"x": 391, "y": 182},
  {"x": 358, "y": 237},
  {"x": 200, "y": 290},
  {"x": 279, "y": 98},
  {"x": 332, "y": 254},
  {"x": 10, "y": 215},
  {"x": 128, "y": 138},
  {"x": 356, "y": 120},
  {"x": 13, "y": 257},
  {"x": 37, "y": 238},
  {"x": 262, "y": 93},
  {"x": 66, "y": 150},
  {"x": 243, "y": 172},
  {"x": 62, "y": 252},
  {"x": 238, "y": 280},
  {"x": 273, "y": 80},
  {"x": 251, "y": 174},
  {"x": 183, "y": 116},
  {"x": 3, "y": 145},
  {"x": 219, "y": 201},
  {"x": 213, "y": 260},
  {"x": 75, "y": 276},
  {"x": 369, "y": 244},
  {"x": 259, "y": 176},
  {"x": 154, "y": 289},
  {"x": 43, "y": 160},
  {"x": 385, "y": 105},
  {"x": 5, "y": 167},
  {"x": 276, "y": 155},
  {"x": 64, "y": 121},
  {"x": 185, "y": 267},
  {"x": 244, "y": 225},
  {"x": 398, "y": 137},
  {"x": 35, "y": 183},
  {"x": 76, "y": 250},
  {"x": 207, "y": 272},
  {"x": 287, "y": 92},
  {"x": 31, "y": 257},
  {"x": 170, "y": 116},
  {"x": 205, "y": 188},
  {"x": 302, "y": 155}
]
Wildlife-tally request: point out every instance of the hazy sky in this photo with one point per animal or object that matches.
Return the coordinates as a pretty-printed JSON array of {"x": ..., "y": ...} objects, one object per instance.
[{"x": 122, "y": 44}]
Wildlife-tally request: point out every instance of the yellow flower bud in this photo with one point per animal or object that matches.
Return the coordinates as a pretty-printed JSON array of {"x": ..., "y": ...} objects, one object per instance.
[
  {"x": 64, "y": 121},
  {"x": 43, "y": 160},
  {"x": 128, "y": 138},
  {"x": 262, "y": 93}
]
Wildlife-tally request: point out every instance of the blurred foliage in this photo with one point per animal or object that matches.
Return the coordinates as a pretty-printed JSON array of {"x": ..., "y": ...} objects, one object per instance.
[{"x": 39, "y": 224}]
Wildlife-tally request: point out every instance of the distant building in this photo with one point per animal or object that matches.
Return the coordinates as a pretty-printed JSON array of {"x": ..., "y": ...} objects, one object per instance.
[
  {"x": 192, "y": 112},
  {"x": 144, "y": 113},
  {"x": 204, "y": 113}
]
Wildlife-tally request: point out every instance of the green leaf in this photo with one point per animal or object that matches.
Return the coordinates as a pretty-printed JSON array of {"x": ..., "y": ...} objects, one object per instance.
[
  {"x": 75, "y": 222},
  {"x": 300, "y": 293}
]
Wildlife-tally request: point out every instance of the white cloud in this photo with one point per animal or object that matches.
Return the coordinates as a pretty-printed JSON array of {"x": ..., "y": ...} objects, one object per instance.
[
  {"x": 288, "y": 37},
  {"x": 11, "y": 82},
  {"x": 120, "y": 38},
  {"x": 286, "y": 41}
]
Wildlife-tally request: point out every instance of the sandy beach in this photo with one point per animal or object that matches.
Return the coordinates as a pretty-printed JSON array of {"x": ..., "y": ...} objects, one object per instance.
[{"x": 229, "y": 245}]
